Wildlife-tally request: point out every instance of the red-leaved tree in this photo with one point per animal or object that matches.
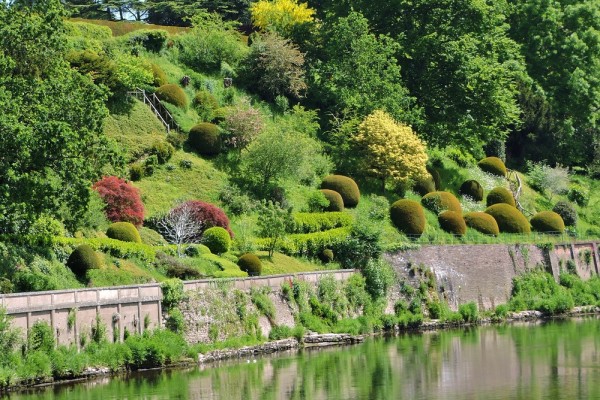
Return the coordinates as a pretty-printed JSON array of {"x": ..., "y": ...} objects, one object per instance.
[
  {"x": 209, "y": 214},
  {"x": 123, "y": 202}
]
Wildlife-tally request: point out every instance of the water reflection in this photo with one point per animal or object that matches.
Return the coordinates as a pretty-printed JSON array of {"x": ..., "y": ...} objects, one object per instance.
[{"x": 554, "y": 360}]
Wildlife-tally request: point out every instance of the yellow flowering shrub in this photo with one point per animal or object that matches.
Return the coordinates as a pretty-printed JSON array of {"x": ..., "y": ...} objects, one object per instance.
[{"x": 280, "y": 15}]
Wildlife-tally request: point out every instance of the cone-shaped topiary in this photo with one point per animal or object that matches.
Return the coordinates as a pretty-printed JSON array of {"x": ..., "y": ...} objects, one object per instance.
[
  {"x": 124, "y": 231},
  {"x": 345, "y": 186},
  {"x": 500, "y": 195},
  {"x": 204, "y": 139},
  {"x": 173, "y": 94},
  {"x": 336, "y": 203},
  {"x": 482, "y": 222},
  {"x": 441, "y": 201},
  {"x": 509, "y": 219},
  {"x": 548, "y": 221},
  {"x": 452, "y": 222},
  {"x": 435, "y": 175},
  {"x": 160, "y": 78},
  {"x": 217, "y": 239},
  {"x": 82, "y": 259},
  {"x": 493, "y": 165},
  {"x": 250, "y": 264},
  {"x": 408, "y": 217},
  {"x": 567, "y": 212},
  {"x": 472, "y": 189},
  {"x": 424, "y": 185}
]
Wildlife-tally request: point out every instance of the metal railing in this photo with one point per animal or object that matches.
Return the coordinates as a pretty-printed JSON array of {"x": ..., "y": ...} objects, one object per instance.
[{"x": 157, "y": 107}]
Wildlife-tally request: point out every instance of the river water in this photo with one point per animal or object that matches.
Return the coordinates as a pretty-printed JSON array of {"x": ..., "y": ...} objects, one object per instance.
[{"x": 559, "y": 359}]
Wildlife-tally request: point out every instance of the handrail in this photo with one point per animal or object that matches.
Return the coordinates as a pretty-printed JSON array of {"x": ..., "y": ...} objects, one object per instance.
[
  {"x": 157, "y": 107},
  {"x": 517, "y": 192}
]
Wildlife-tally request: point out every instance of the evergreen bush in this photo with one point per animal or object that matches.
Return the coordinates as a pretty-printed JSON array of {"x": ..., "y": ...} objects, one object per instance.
[
  {"x": 493, "y": 165},
  {"x": 205, "y": 104},
  {"x": 163, "y": 151},
  {"x": 441, "y": 201},
  {"x": 326, "y": 256},
  {"x": 159, "y": 76},
  {"x": 500, "y": 195},
  {"x": 172, "y": 93},
  {"x": 509, "y": 219},
  {"x": 424, "y": 185},
  {"x": 336, "y": 203},
  {"x": 567, "y": 212},
  {"x": 435, "y": 175},
  {"x": 204, "y": 138},
  {"x": 124, "y": 231},
  {"x": 217, "y": 239},
  {"x": 345, "y": 186},
  {"x": 82, "y": 259},
  {"x": 408, "y": 217},
  {"x": 472, "y": 189},
  {"x": 548, "y": 221},
  {"x": 251, "y": 264},
  {"x": 452, "y": 222},
  {"x": 482, "y": 222}
]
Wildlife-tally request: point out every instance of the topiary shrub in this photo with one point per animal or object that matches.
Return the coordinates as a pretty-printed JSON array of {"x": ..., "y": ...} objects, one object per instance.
[
  {"x": 435, "y": 175},
  {"x": 482, "y": 222},
  {"x": 251, "y": 264},
  {"x": 173, "y": 94},
  {"x": 205, "y": 104},
  {"x": 163, "y": 151},
  {"x": 204, "y": 139},
  {"x": 567, "y": 212},
  {"x": 123, "y": 201},
  {"x": 472, "y": 189},
  {"x": 493, "y": 165},
  {"x": 124, "y": 231},
  {"x": 159, "y": 76},
  {"x": 336, "y": 203},
  {"x": 441, "y": 201},
  {"x": 345, "y": 186},
  {"x": 452, "y": 222},
  {"x": 82, "y": 259},
  {"x": 509, "y": 219},
  {"x": 326, "y": 256},
  {"x": 217, "y": 239},
  {"x": 548, "y": 221},
  {"x": 500, "y": 195},
  {"x": 408, "y": 217},
  {"x": 424, "y": 185}
]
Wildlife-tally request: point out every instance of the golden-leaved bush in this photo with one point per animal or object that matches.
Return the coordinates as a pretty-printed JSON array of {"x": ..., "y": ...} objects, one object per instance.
[{"x": 280, "y": 15}]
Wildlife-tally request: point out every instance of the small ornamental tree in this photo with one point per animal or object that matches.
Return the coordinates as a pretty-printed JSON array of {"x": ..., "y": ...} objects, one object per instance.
[
  {"x": 123, "y": 201},
  {"x": 392, "y": 150},
  {"x": 273, "y": 223},
  {"x": 281, "y": 16},
  {"x": 207, "y": 214},
  {"x": 180, "y": 226},
  {"x": 242, "y": 125}
]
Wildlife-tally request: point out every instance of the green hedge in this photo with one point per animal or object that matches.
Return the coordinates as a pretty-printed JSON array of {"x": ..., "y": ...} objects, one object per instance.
[
  {"x": 115, "y": 248},
  {"x": 441, "y": 201},
  {"x": 493, "y": 165},
  {"x": 482, "y": 222},
  {"x": 452, "y": 222},
  {"x": 316, "y": 222},
  {"x": 336, "y": 203},
  {"x": 124, "y": 231},
  {"x": 408, "y": 216},
  {"x": 548, "y": 221},
  {"x": 308, "y": 243},
  {"x": 472, "y": 189},
  {"x": 345, "y": 186},
  {"x": 500, "y": 195},
  {"x": 509, "y": 219}
]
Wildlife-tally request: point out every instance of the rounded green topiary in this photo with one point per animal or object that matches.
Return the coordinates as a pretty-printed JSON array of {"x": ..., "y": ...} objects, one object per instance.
[
  {"x": 345, "y": 186},
  {"x": 250, "y": 264},
  {"x": 124, "y": 231},
  {"x": 408, "y": 217},
  {"x": 509, "y": 219},
  {"x": 159, "y": 76},
  {"x": 173, "y": 94},
  {"x": 500, "y": 195},
  {"x": 567, "y": 212},
  {"x": 482, "y": 222},
  {"x": 441, "y": 201},
  {"x": 472, "y": 189},
  {"x": 435, "y": 175},
  {"x": 452, "y": 222},
  {"x": 217, "y": 239},
  {"x": 205, "y": 104},
  {"x": 326, "y": 256},
  {"x": 82, "y": 259},
  {"x": 205, "y": 139},
  {"x": 548, "y": 221},
  {"x": 424, "y": 185},
  {"x": 493, "y": 165},
  {"x": 336, "y": 203}
]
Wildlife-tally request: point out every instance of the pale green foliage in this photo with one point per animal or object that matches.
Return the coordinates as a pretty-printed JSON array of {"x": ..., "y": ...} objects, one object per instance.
[
  {"x": 273, "y": 223},
  {"x": 547, "y": 179}
]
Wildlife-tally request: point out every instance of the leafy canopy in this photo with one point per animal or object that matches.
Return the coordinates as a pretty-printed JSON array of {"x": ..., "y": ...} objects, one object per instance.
[{"x": 280, "y": 16}]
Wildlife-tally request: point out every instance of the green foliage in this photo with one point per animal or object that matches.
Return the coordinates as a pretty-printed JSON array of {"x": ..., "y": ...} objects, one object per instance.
[
  {"x": 548, "y": 180},
  {"x": 172, "y": 291},
  {"x": 83, "y": 259},
  {"x": 493, "y": 165},
  {"x": 40, "y": 338},
  {"x": 251, "y": 264},
  {"x": 205, "y": 104},
  {"x": 116, "y": 248},
  {"x": 567, "y": 212},
  {"x": 538, "y": 290},
  {"x": 155, "y": 350},
  {"x": 509, "y": 219},
  {"x": 345, "y": 186},
  {"x": 452, "y": 222},
  {"x": 408, "y": 217},
  {"x": 273, "y": 223},
  {"x": 172, "y": 93},
  {"x": 316, "y": 222},
  {"x": 176, "y": 321},
  {"x": 336, "y": 202},
  {"x": 217, "y": 239},
  {"x": 151, "y": 40},
  {"x": 435, "y": 174},
  {"x": 260, "y": 298},
  {"x": 578, "y": 195},
  {"x": 326, "y": 256},
  {"x": 379, "y": 277},
  {"x": 204, "y": 138},
  {"x": 162, "y": 150},
  {"x": 317, "y": 202},
  {"x": 548, "y": 221},
  {"x": 308, "y": 244},
  {"x": 500, "y": 195},
  {"x": 159, "y": 76},
  {"x": 424, "y": 185},
  {"x": 469, "y": 312},
  {"x": 472, "y": 189},
  {"x": 46, "y": 227},
  {"x": 124, "y": 231},
  {"x": 482, "y": 222},
  {"x": 441, "y": 201}
]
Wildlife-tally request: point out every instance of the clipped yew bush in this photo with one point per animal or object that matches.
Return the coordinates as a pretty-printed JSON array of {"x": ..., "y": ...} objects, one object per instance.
[
  {"x": 345, "y": 186},
  {"x": 408, "y": 217},
  {"x": 124, "y": 231},
  {"x": 472, "y": 189},
  {"x": 424, "y": 185},
  {"x": 204, "y": 139},
  {"x": 172, "y": 93},
  {"x": 205, "y": 104},
  {"x": 435, "y": 175},
  {"x": 509, "y": 219},
  {"x": 452, "y": 222},
  {"x": 82, "y": 259},
  {"x": 441, "y": 201},
  {"x": 251, "y": 264},
  {"x": 326, "y": 256},
  {"x": 336, "y": 203},
  {"x": 493, "y": 165},
  {"x": 217, "y": 239},
  {"x": 159, "y": 76},
  {"x": 548, "y": 221},
  {"x": 567, "y": 212},
  {"x": 500, "y": 195},
  {"x": 482, "y": 222}
]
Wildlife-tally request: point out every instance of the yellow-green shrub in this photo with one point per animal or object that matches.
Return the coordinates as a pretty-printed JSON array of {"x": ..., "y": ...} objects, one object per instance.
[
  {"x": 441, "y": 201},
  {"x": 452, "y": 222},
  {"x": 548, "y": 221},
  {"x": 251, "y": 264},
  {"x": 308, "y": 243},
  {"x": 336, "y": 203},
  {"x": 173, "y": 94},
  {"x": 82, "y": 259},
  {"x": 124, "y": 231},
  {"x": 500, "y": 195},
  {"x": 345, "y": 186},
  {"x": 493, "y": 165},
  {"x": 408, "y": 217},
  {"x": 315, "y": 222},
  {"x": 160, "y": 78},
  {"x": 482, "y": 222},
  {"x": 509, "y": 219}
]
